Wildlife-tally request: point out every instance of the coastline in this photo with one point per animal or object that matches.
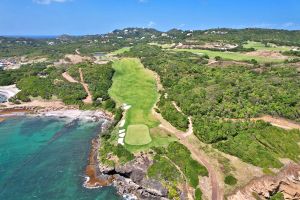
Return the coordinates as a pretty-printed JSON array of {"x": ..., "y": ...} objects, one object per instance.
[
  {"x": 94, "y": 179},
  {"x": 58, "y": 109},
  {"x": 52, "y": 109}
]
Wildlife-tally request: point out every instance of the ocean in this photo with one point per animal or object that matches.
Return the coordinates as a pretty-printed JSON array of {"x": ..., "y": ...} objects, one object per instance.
[{"x": 45, "y": 158}]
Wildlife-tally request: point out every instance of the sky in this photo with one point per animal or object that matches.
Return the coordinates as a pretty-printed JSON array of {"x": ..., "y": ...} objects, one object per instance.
[{"x": 81, "y": 17}]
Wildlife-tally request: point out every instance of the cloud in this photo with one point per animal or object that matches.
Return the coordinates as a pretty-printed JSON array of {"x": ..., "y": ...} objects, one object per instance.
[
  {"x": 288, "y": 24},
  {"x": 151, "y": 24},
  {"x": 46, "y": 2}
]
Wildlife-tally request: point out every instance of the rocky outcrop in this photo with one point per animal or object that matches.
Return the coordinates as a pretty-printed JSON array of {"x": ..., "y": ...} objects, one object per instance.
[
  {"x": 130, "y": 179},
  {"x": 287, "y": 182}
]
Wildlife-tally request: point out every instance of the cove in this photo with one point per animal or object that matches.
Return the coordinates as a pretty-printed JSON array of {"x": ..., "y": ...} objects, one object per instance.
[{"x": 45, "y": 158}]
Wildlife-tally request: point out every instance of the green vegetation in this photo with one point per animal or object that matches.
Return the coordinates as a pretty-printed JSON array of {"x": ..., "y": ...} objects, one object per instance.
[
  {"x": 181, "y": 156},
  {"x": 166, "y": 162},
  {"x": 135, "y": 86},
  {"x": 99, "y": 79},
  {"x": 120, "y": 51},
  {"x": 278, "y": 196},
  {"x": 232, "y": 55},
  {"x": 198, "y": 194},
  {"x": 160, "y": 138},
  {"x": 230, "y": 180},
  {"x": 38, "y": 80},
  {"x": 211, "y": 94},
  {"x": 163, "y": 169},
  {"x": 172, "y": 115},
  {"x": 107, "y": 150},
  {"x": 265, "y": 46},
  {"x": 137, "y": 135}
]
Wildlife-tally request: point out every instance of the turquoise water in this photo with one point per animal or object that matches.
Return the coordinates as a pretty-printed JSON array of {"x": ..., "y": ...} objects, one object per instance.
[
  {"x": 2, "y": 98},
  {"x": 45, "y": 159}
]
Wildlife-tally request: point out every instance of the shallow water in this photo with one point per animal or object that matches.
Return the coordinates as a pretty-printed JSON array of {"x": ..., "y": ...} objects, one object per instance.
[
  {"x": 2, "y": 98},
  {"x": 44, "y": 158}
]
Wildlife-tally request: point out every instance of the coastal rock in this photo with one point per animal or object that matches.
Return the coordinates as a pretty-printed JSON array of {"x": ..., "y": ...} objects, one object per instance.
[
  {"x": 287, "y": 182},
  {"x": 130, "y": 179}
]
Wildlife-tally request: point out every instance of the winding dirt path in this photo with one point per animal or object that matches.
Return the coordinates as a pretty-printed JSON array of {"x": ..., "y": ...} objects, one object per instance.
[
  {"x": 190, "y": 129},
  {"x": 89, "y": 98},
  {"x": 275, "y": 121},
  {"x": 217, "y": 192},
  {"x": 189, "y": 192},
  {"x": 197, "y": 154},
  {"x": 68, "y": 77}
]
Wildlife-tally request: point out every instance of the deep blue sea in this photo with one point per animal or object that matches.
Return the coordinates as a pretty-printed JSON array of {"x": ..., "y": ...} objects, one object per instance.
[{"x": 45, "y": 158}]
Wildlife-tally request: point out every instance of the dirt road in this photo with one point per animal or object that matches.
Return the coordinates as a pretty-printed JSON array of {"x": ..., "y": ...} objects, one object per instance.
[
  {"x": 275, "y": 121},
  {"x": 89, "y": 98},
  {"x": 217, "y": 192},
  {"x": 69, "y": 78}
]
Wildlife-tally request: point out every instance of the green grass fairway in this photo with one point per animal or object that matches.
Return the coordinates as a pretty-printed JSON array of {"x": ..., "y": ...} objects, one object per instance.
[
  {"x": 138, "y": 135},
  {"x": 261, "y": 46},
  {"x": 232, "y": 55},
  {"x": 120, "y": 51},
  {"x": 136, "y": 86}
]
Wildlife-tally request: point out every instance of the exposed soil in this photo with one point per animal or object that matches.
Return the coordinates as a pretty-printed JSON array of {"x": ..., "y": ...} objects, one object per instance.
[
  {"x": 89, "y": 98},
  {"x": 275, "y": 121},
  {"x": 226, "y": 63},
  {"x": 217, "y": 192},
  {"x": 69, "y": 78},
  {"x": 287, "y": 181},
  {"x": 267, "y": 54}
]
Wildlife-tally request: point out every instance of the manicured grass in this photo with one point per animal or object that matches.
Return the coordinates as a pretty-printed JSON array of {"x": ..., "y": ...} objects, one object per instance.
[
  {"x": 135, "y": 86},
  {"x": 231, "y": 55},
  {"x": 120, "y": 51},
  {"x": 261, "y": 46},
  {"x": 137, "y": 135},
  {"x": 160, "y": 138}
]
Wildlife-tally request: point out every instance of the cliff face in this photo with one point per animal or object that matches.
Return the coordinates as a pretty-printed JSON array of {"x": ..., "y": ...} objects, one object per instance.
[
  {"x": 131, "y": 179},
  {"x": 287, "y": 182}
]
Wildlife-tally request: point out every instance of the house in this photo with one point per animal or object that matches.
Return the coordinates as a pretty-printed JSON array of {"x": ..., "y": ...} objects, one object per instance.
[{"x": 1, "y": 65}]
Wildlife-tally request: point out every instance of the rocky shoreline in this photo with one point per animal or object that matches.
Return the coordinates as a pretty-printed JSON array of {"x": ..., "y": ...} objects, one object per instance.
[{"x": 130, "y": 179}]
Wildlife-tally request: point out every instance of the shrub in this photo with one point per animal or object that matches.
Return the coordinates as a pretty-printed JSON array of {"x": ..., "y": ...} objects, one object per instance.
[{"x": 230, "y": 180}]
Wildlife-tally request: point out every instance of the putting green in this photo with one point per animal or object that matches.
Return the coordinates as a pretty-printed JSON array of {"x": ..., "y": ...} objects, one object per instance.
[{"x": 138, "y": 135}]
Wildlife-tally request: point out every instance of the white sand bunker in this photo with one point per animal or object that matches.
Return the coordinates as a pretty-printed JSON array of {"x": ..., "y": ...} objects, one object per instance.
[{"x": 9, "y": 91}]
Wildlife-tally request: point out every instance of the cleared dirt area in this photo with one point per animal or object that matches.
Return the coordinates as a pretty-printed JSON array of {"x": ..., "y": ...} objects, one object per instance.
[{"x": 269, "y": 54}]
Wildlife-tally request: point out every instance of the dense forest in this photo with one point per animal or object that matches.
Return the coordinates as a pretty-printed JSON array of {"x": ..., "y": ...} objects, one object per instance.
[{"x": 214, "y": 95}]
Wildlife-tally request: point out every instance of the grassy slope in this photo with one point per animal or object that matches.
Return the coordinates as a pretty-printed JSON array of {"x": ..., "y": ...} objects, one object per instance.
[
  {"x": 134, "y": 85},
  {"x": 231, "y": 55},
  {"x": 261, "y": 46}
]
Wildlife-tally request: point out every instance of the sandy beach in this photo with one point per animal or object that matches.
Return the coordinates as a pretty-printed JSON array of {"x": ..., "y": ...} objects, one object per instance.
[{"x": 9, "y": 91}]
